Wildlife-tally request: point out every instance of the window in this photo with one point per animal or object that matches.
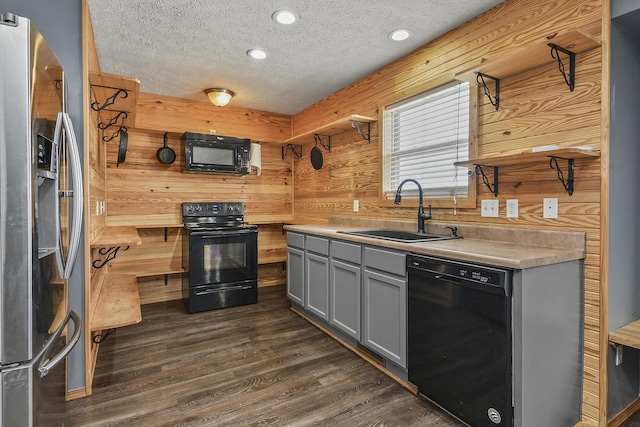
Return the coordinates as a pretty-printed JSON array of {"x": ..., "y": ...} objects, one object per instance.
[{"x": 423, "y": 136}]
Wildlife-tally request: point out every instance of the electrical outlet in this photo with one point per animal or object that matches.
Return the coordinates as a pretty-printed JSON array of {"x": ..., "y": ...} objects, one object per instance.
[
  {"x": 102, "y": 208},
  {"x": 619, "y": 355},
  {"x": 550, "y": 208},
  {"x": 490, "y": 208},
  {"x": 212, "y": 131},
  {"x": 356, "y": 206},
  {"x": 512, "y": 208},
  {"x": 97, "y": 208}
]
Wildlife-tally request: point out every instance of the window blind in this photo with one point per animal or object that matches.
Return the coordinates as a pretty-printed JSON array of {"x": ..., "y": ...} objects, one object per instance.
[{"x": 423, "y": 137}]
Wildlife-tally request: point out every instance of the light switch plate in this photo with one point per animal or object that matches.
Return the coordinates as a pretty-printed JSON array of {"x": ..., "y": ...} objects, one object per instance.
[
  {"x": 356, "y": 205},
  {"x": 490, "y": 208},
  {"x": 550, "y": 208}
]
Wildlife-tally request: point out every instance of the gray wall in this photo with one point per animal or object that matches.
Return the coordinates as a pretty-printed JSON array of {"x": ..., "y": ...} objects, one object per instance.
[
  {"x": 60, "y": 22},
  {"x": 624, "y": 204}
]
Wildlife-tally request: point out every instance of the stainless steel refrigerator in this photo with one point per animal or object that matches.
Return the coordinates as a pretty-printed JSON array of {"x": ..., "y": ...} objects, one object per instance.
[{"x": 40, "y": 223}]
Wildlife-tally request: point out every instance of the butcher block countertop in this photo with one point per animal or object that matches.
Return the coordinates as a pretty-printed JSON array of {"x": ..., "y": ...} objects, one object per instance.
[{"x": 508, "y": 247}]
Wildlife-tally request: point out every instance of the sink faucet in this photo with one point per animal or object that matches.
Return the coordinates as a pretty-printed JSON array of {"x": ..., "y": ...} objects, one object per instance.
[{"x": 421, "y": 215}]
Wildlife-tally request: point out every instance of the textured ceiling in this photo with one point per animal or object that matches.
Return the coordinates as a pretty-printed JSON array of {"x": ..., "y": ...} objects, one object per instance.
[{"x": 181, "y": 47}]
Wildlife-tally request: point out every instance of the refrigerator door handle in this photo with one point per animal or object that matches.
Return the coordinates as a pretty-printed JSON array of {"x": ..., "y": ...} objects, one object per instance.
[
  {"x": 75, "y": 169},
  {"x": 47, "y": 363}
]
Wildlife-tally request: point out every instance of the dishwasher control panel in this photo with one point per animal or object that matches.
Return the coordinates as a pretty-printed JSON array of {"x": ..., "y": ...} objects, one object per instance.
[{"x": 477, "y": 273}]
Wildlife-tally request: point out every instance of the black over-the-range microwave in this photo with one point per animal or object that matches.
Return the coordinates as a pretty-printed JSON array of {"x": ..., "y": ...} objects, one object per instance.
[{"x": 214, "y": 153}]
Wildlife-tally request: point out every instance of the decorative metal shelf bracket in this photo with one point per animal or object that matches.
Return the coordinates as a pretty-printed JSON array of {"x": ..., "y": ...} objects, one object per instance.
[
  {"x": 318, "y": 139},
  {"x": 95, "y": 106},
  {"x": 568, "y": 183},
  {"x": 114, "y": 120},
  {"x": 366, "y": 136},
  {"x": 485, "y": 180},
  {"x": 571, "y": 78},
  {"x": 494, "y": 100},
  {"x": 109, "y": 253},
  {"x": 298, "y": 153}
]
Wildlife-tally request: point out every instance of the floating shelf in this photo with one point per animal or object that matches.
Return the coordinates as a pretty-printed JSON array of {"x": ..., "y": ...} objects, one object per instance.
[
  {"x": 569, "y": 154},
  {"x": 335, "y": 127},
  {"x": 628, "y": 335},
  {"x": 145, "y": 268}
]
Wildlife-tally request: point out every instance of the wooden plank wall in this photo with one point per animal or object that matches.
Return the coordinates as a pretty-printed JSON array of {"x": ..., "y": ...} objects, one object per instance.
[
  {"x": 145, "y": 193},
  {"x": 536, "y": 108}
]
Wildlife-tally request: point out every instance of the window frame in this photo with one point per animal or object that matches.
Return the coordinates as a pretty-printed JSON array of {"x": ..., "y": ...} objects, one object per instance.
[{"x": 412, "y": 201}]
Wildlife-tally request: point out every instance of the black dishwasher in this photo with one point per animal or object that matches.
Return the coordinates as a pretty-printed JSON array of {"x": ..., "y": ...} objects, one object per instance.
[{"x": 459, "y": 338}]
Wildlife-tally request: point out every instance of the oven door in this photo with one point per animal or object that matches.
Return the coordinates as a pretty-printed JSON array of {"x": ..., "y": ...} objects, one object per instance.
[{"x": 222, "y": 256}]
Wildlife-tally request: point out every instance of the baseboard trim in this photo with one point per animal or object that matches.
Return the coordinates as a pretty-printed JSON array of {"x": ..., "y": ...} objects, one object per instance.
[
  {"x": 76, "y": 394},
  {"x": 623, "y": 415}
]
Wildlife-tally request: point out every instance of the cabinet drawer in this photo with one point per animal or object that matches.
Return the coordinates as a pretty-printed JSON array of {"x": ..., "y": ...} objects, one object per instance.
[
  {"x": 296, "y": 240},
  {"x": 346, "y": 251},
  {"x": 384, "y": 260},
  {"x": 317, "y": 245}
]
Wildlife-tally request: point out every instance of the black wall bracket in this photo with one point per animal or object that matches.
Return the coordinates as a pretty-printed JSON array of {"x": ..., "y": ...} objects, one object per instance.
[
  {"x": 318, "y": 138},
  {"x": 485, "y": 180},
  {"x": 297, "y": 153},
  {"x": 109, "y": 253},
  {"x": 366, "y": 136},
  {"x": 570, "y": 79},
  {"x": 494, "y": 100},
  {"x": 95, "y": 106},
  {"x": 568, "y": 183}
]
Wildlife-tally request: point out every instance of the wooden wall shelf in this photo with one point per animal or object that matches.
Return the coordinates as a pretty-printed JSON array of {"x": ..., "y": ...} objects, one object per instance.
[
  {"x": 628, "y": 335},
  {"x": 531, "y": 56},
  {"x": 118, "y": 303},
  {"x": 333, "y": 128},
  {"x": 568, "y": 154},
  {"x": 117, "y": 236},
  {"x": 146, "y": 268}
]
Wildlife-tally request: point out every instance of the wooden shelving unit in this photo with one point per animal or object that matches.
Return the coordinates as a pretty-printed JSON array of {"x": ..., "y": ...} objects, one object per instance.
[
  {"x": 568, "y": 154},
  {"x": 333, "y": 128},
  {"x": 628, "y": 335},
  {"x": 145, "y": 268}
]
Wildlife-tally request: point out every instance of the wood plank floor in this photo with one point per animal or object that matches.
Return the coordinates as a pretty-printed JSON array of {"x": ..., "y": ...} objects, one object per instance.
[{"x": 255, "y": 365}]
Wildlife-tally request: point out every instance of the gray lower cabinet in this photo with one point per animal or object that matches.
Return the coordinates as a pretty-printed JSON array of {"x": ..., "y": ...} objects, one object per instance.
[
  {"x": 316, "y": 283},
  {"x": 295, "y": 267},
  {"x": 345, "y": 278}
]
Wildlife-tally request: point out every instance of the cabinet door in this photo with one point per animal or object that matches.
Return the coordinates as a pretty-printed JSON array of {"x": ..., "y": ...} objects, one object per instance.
[
  {"x": 344, "y": 282},
  {"x": 295, "y": 275},
  {"x": 316, "y": 285},
  {"x": 385, "y": 316}
]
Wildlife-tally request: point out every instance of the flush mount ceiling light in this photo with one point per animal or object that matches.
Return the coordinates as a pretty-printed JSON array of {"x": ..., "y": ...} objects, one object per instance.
[
  {"x": 285, "y": 17},
  {"x": 257, "y": 53},
  {"x": 400, "y": 34},
  {"x": 219, "y": 96}
]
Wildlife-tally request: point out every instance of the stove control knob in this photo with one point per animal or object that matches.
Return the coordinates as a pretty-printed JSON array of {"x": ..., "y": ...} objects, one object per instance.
[{"x": 198, "y": 208}]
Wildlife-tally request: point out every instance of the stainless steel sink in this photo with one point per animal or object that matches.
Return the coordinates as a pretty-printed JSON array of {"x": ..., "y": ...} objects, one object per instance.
[{"x": 399, "y": 235}]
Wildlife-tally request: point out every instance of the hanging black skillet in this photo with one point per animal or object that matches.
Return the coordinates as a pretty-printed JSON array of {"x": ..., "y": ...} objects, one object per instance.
[
  {"x": 165, "y": 155},
  {"x": 316, "y": 157},
  {"x": 122, "y": 147}
]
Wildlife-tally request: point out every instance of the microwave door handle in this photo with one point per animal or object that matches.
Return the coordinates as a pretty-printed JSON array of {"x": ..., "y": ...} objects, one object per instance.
[{"x": 75, "y": 171}]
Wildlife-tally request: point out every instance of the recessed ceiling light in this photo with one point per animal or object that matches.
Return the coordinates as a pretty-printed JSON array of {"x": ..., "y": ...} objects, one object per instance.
[
  {"x": 285, "y": 17},
  {"x": 257, "y": 53},
  {"x": 401, "y": 34}
]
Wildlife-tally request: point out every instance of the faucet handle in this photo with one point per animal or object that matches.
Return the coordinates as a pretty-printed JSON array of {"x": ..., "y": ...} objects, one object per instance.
[{"x": 454, "y": 230}]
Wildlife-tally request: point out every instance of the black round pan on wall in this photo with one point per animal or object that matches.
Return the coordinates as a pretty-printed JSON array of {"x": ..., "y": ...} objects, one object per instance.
[
  {"x": 122, "y": 147},
  {"x": 316, "y": 158},
  {"x": 165, "y": 155}
]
